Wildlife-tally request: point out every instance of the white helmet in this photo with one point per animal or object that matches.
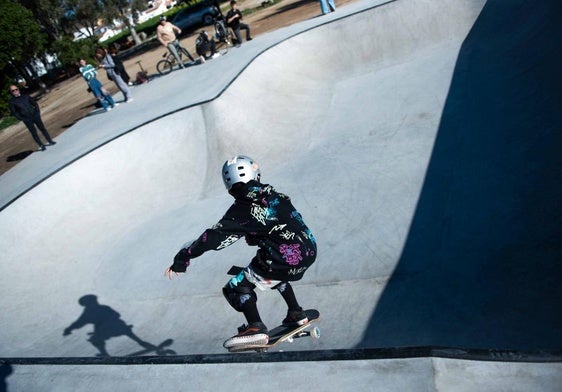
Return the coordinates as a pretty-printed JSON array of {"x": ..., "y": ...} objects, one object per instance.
[{"x": 239, "y": 169}]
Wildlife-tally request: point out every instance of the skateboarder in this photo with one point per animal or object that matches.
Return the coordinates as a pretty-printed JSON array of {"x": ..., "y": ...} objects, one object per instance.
[{"x": 286, "y": 248}]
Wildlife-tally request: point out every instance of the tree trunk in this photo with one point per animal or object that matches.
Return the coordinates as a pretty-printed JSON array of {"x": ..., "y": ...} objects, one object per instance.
[{"x": 135, "y": 35}]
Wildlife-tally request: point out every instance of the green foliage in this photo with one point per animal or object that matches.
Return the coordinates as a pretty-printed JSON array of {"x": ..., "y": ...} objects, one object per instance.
[
  {"x": 84, "y": 13},
  {"x": 21, "y": 38},
  {"x": 7, "y": 121},
  {"x": 118, "y": 9},
  {"x": 50, "y": 16},
  {"x": 4, "y": 99},
  {"x": 69, "y": 51},
  {"x": 20, "y": 41},
  {"x": 192, "y": 2}
]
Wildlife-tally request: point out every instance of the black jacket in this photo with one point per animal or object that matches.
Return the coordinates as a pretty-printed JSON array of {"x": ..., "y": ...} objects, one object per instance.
[
  {"x": 266, "y": 219},
  {"x": 23, "y": 107},
  {"x": 236, "y": 22}
]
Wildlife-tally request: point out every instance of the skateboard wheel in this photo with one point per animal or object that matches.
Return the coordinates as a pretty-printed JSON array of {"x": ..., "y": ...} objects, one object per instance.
[
  {"x": 315, "y": 333},
  {"x": 290, "y": 340}
]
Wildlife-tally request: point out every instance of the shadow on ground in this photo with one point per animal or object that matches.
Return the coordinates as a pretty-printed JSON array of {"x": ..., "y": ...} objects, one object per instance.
[
  {"x": 20, "y": 156},
  {"x": 481, "y": 265},
  {"x": 108, "y": 324}
]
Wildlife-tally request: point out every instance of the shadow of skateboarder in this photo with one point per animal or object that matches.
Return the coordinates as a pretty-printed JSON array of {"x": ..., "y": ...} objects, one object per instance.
[{"x": 107, "y": 324}]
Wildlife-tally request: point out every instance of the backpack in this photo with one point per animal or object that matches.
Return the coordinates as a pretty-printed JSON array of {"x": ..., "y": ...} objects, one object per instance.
[
  {"x": 142, "y": 77},
  {"x": 202, "y": 43}
]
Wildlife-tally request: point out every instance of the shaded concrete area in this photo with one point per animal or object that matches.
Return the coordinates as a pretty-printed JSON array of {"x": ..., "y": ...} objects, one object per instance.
[
  {"x": 481, "y": 264},
  {"x": 426, "y": 182}
]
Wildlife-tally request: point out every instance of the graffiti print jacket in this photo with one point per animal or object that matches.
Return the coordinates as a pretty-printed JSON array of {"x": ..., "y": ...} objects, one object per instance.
[{"x": 267, "y": 219}]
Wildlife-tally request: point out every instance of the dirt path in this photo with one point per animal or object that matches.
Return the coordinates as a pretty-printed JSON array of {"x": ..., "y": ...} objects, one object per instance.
[{"x": 69, "y": 101}]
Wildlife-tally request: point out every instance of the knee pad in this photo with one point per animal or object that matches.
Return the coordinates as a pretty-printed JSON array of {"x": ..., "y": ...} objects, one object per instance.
[{"x": 238, "y": 291}]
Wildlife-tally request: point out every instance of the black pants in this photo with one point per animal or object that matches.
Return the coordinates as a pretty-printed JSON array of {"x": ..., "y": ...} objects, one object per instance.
[
  {"x": 241, "y": 26},
  {"x": 30, "y": 123}
]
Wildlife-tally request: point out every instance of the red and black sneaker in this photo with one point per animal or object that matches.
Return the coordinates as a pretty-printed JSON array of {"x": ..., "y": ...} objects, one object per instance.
[{"x": 295, "y": 318}]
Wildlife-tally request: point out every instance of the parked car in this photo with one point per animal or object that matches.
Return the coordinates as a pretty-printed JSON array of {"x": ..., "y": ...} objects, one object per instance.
[{"x": 194, "y": 16}]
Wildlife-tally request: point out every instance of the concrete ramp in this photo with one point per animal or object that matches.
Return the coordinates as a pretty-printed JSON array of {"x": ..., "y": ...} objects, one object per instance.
[
  {"x": 481, "y": 264},
  {"x": 382, "y": 128}
]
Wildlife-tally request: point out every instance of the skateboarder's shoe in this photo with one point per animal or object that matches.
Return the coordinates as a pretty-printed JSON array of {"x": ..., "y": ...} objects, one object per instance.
[
  {"x": 255, "y": 333},
  {"x": 295, "y": 318}
]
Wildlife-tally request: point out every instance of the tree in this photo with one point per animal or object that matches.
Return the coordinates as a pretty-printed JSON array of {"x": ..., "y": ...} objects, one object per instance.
[
  {"x": 84, "y": 14},
  {"x": 20, "y": 42},
  {"x": 21, "y": 38},
  {"x": 50, "y": 14},
  {"x": 70, "y": 51},
  {"x": 126, "y": 11}
]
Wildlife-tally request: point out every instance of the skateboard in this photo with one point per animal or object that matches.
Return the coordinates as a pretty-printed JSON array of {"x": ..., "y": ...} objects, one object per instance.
[{"x": 283, "y": 333}]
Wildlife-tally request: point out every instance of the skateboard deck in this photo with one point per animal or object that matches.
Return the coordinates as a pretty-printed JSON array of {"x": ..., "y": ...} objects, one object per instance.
[{"x": 283, "y": 333}]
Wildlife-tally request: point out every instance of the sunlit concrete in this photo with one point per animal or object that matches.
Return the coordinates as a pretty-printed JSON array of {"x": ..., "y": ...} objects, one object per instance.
[{"x": 343, "y": 112}]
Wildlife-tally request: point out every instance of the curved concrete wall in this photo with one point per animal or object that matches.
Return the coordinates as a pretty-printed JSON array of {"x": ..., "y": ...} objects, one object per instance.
[{"x": 343, "y": 118}]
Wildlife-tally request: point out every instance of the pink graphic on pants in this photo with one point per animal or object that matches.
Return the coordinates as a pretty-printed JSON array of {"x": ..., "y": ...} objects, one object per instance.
[{"x": 291, "y": 253}]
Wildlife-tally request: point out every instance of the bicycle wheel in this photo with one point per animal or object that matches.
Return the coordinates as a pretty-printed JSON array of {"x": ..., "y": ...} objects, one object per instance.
[
  {"x": 164, "y": 67},
  {"x": 221, "y": 33}
]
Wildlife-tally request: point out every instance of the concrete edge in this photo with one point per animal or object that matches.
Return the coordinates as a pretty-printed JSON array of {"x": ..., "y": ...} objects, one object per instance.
[{"x": 534, "y": 356}]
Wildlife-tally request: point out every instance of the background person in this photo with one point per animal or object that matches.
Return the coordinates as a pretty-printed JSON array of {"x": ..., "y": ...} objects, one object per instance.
[
  {"x": 119, "y": 66},
  {"x": 89, "y": 74},
  {"x": 233, "y": 20},
  {"x": 107, "y": 63},
  {"x": 167, "y": 37},
  {"x": 203, "y": 45},
  {"x": 26, "y": 109},
  {"x": 327, "y": 6}
]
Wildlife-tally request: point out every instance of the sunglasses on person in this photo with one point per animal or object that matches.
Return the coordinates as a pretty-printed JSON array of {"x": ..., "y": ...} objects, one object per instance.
[{"x": 13, "y": 90}]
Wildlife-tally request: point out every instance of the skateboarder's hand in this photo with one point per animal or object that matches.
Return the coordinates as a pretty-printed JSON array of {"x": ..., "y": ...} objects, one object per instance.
[
  {"x": 170, "y": 273},
  {"x": 174, "y": 269},
  {"x": 181, "y": 262}
]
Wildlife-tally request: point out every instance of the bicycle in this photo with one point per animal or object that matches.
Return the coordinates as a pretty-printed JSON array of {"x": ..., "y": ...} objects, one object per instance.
[
  {"x": 166, "y": 65},
  {"x": 222, "y": 32}
]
